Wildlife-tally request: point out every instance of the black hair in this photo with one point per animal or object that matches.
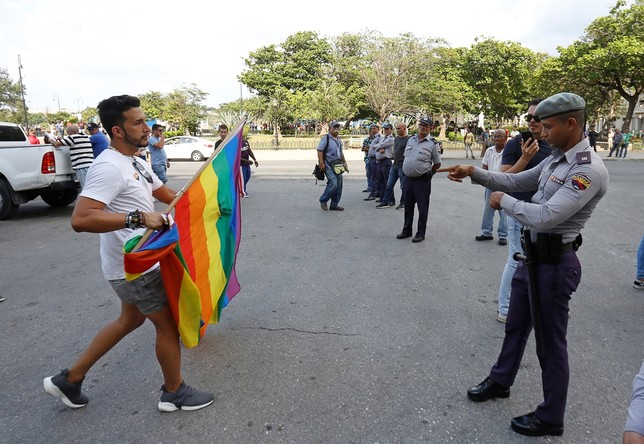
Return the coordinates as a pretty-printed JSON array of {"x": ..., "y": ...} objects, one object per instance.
[
  {"x": 111, "y": 110},
  {"x": 223, "y": 126}
]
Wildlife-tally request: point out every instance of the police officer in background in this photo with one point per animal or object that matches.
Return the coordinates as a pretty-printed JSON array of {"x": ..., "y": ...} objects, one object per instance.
[
  {"x": 384, "y": 149},
  {"x": 569, "y": 183},
  {"x": 374, "y": 135},
  {"x": 422, "y": 159}
]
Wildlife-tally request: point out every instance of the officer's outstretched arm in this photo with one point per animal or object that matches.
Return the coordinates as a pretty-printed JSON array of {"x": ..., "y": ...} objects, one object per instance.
[{"x": 457, "y": 172}]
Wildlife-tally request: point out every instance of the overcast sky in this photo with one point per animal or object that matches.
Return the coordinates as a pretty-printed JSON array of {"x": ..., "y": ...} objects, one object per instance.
[{"x": 79, "y": 53}]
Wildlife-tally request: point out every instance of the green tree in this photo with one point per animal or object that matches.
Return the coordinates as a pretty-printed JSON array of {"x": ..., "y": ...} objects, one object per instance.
[
  {"x": 278, "y": 110},
  {"x": 329, "y": 101},
  {"x": 441, "y": 90},
  {"x": 10, "y": 99},
  {"x": 392, "y": 66},
  {"x": 297, "y": 64},
  {"x": 610, "y": 56},
  {"x": 500, "y": 76},
  {"x": 184, "y": 107},
  {"x": 554, "y": 77},
  {"x": 153, "y": 104}
]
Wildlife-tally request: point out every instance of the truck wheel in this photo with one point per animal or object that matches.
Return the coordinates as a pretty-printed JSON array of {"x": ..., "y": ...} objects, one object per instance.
[
  {"x": 7, "y": 207},
  {"x": 60, "y": 198},
  {"x": 196, "y": 156}
]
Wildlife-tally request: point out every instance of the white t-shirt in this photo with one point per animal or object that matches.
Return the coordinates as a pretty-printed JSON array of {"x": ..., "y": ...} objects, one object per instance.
[
  {"x": 113, "y": 180},
  {"x": 493, "y": 159}
]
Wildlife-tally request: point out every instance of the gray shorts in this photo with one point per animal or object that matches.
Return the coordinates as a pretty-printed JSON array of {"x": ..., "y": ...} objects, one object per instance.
[{"x": 146, "y": 292}]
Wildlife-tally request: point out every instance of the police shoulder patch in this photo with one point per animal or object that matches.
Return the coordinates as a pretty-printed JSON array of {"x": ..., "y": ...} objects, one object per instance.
[{"x": 580, "y": 182}]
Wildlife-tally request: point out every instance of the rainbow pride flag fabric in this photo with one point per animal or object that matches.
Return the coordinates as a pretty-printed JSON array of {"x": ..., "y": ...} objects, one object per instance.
[
  {"x": 198, "y": 253},
  {"x": 183, "y": 295}
]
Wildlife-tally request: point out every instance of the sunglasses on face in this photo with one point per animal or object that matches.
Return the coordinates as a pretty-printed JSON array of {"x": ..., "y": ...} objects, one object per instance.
[
  {"x": 529, "y": 117},
  {"x": 142, "y": 171}
]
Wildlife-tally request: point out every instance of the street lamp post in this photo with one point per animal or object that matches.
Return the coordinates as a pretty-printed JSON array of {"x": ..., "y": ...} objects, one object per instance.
[
  {"x": 56, "y": 98},
  {"x": 22, "y": 92}
]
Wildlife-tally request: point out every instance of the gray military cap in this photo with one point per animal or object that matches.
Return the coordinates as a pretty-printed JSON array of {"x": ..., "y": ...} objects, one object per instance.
[{"x": 559, "y": 104}]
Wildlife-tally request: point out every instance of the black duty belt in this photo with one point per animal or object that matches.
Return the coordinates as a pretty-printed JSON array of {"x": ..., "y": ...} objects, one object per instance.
[
  {"x": 426, "y": 176},
  {"x": 565, "y": 248}
]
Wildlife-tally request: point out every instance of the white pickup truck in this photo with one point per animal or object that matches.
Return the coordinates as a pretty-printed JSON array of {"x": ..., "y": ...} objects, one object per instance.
[{"x": 28, "y": 171}]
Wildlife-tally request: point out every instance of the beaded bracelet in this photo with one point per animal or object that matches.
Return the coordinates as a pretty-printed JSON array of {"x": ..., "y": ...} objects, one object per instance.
[{"x": 135, "y": 219}]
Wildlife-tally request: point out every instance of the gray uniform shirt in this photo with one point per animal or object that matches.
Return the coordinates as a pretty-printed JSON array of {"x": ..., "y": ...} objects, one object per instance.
[
  {"x": 567, "y": 192},
  {"x": 420, "y": 156},
  {"x": 387, "y": 143},
  {"x": 372, "y": 151},
  {"x": 334, "y": 149}
]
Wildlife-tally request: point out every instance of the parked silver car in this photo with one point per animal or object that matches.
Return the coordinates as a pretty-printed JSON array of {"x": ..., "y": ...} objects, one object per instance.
[{"x": 188, "y": 147}]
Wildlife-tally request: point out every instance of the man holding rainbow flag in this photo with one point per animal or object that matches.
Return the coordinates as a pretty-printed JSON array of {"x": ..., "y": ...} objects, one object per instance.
[{"x": 187, "y": 291}]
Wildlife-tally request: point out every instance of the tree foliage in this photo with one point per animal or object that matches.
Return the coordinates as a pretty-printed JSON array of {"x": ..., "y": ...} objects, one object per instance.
[
  {"x": 10, "y": 98},
  {"x": 296, "y": 65},
  {"x": 152, "y": 104},
  {"x": 499, "y": 76},
  {"x": 184, "y": 107},
  {"x": 610, "y": 56}
]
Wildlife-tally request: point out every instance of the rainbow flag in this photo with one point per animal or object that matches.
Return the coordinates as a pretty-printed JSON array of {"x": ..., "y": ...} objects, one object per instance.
[
  {"x": 209, "y": 220},
  {"x": 197, "y": 255},
  {"x": 183, "y": 295}
]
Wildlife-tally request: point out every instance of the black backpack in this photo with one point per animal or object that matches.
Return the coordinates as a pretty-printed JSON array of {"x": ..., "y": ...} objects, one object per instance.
[{"x": 317, "y": 172}]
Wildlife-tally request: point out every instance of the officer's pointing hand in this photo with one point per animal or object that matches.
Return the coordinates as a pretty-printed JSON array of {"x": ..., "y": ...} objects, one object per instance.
[
  {"x": 457, "y": 172},
  {"x": 495, "y": 199}
]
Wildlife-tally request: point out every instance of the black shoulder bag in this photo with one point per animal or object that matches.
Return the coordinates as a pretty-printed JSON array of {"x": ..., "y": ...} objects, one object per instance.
[{"x": 317, "y": 172}]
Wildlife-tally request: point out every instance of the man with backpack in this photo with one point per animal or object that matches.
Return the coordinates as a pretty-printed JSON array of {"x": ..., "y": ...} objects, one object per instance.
[{"x": 331, "y": 161}]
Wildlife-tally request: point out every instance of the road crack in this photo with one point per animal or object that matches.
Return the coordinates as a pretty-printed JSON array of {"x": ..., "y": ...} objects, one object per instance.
[{"x": 297, "y": 330}]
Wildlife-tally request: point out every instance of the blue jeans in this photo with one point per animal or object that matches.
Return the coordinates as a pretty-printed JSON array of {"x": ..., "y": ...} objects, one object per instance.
[
  {"x": 514, "y": 246},
  {"x": 640, "y": 260},
  {"x": 395, "y": 173},
  {"x": 246, "y": 175},
  {"x": 372, "y": 179},
  {"x": 333, "y": 188},
  {"x": 487, "y": 226},
  {"x": 367, "y": 168},
  {"x": 159, "y": 169}
]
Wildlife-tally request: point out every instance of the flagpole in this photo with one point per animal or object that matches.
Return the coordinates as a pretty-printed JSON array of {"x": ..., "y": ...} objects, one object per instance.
[{"x": 181, "y": 192}]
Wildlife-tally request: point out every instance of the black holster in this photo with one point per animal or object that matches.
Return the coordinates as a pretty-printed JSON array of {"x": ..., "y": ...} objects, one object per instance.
[{"x": 549, "y": 247}]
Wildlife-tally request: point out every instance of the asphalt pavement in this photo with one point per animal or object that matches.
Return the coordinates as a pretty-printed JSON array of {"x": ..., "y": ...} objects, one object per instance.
[{"x": 341, "y": 333}]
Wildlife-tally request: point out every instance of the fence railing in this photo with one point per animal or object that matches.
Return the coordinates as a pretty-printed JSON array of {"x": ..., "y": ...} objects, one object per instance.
[{"x": 356, "y": 142}]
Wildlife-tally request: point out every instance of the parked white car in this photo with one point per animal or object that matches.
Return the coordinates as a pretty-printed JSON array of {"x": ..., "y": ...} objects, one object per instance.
[{"x": 189, "y": 148}]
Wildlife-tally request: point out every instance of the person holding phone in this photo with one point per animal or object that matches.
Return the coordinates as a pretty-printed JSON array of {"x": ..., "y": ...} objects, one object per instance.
[
  {"x": 520, "y": 153},
  {"x": 158, "y": 158}
]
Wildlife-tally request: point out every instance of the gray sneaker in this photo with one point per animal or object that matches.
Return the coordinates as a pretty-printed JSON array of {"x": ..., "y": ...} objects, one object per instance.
[
  {"x": 69, "y": 393},
  {"x": 185, "y": 398}
]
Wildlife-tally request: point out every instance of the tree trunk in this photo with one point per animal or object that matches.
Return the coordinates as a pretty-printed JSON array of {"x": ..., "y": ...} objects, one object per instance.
[
  {"x": 442, "y": 135},
  {"x": 632, "y": 103}
]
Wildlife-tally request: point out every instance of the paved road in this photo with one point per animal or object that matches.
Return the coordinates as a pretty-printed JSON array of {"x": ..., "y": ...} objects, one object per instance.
[{"x": 341, "y": 332}]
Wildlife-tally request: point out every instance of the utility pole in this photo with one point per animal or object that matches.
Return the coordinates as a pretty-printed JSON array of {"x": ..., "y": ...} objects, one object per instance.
[
  {"x": 240, "y": 101},
  {"x": 22, "y": 92}
]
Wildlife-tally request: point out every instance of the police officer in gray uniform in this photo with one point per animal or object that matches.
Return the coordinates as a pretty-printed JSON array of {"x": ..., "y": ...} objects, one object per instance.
[
  {"x": 384, "y": 149},
  {"x": 422, "y": 159},
  {"x": 569, "y": 184}
]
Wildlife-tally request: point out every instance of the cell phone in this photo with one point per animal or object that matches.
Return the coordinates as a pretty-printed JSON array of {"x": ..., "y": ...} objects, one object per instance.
[{"x": 526, "y": 135}]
